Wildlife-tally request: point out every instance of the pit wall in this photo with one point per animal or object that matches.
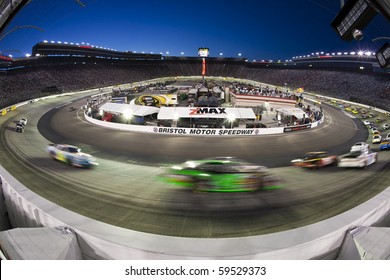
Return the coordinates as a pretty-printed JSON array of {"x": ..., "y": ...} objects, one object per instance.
[{"x": 201, "y": 131}]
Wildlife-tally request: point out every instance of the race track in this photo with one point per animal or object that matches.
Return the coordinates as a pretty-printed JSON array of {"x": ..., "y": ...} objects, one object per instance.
[{"x": 125, "y": 189}]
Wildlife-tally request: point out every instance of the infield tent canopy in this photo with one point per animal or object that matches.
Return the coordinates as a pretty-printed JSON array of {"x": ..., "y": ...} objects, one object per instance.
[
  {"x": 137, "y": 110},
  {"x": 292, "y": 111}
]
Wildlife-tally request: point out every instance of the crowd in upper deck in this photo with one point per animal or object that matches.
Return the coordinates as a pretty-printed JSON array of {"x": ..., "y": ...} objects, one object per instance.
[{"x": 23, "y": 84}]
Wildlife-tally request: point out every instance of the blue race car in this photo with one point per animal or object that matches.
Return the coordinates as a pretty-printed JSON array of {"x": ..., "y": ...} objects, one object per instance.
[{"x": 385, "y": 145}]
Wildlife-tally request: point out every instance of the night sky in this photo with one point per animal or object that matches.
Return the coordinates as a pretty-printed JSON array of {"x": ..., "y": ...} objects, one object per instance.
[{"x": 258, "y": 29}]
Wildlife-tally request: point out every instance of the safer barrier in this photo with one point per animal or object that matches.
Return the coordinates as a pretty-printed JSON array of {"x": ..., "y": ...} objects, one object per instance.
[{"x": 201, "y": 131}]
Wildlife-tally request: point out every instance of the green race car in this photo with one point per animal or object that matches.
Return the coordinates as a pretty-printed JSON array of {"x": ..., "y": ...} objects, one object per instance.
[{"x": 221, "y": 174}]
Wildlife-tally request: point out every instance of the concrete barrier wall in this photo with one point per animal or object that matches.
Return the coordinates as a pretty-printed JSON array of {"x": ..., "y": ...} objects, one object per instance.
[
  {"x": 187, "y": 131},
  {"x": 4, "y": 222},
  {"x": 200, "y": 131}
]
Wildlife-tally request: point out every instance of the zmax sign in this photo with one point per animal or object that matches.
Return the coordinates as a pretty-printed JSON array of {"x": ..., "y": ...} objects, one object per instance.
[{"x": 199, "y": 111}]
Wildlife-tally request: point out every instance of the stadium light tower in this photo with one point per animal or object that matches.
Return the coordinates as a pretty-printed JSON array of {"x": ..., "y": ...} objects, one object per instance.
[
  {"x": 203, "y": 53},
  {"x": 355, "y": 15},
  {"x": 352, "y": 18},
  {"x": 383, "y": 55}
]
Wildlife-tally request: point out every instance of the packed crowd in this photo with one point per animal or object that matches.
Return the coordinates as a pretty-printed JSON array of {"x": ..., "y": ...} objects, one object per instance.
[
  {"x": 371, "y": 89},
  {"x": 263, "y": 91}
]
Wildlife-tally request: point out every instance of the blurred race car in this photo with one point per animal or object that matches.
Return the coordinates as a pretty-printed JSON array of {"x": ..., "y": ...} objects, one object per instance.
[
  {"x": 360, "y": 146},
  {"x": 357, "y": 158},
  {"x": 19, "y": 128},
  {"x": 315, "y": 160},
  {"x": 23, "y": 121},
  {"x": 385, "y": 145},
  {"x": 376, "y": 139},
  {"x": 221, "y": 174},
  {"x": 71, "y": 155}
]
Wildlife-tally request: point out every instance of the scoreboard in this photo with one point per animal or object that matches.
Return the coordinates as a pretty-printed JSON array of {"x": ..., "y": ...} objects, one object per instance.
[{"x": 203, "y": 52}]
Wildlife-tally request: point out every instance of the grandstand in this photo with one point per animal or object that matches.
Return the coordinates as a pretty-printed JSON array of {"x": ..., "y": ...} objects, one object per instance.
[{"x": 65, "y": 67}]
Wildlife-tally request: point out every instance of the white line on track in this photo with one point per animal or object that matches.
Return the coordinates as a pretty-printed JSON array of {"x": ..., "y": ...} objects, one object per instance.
[{"x": 84, "y": 121}]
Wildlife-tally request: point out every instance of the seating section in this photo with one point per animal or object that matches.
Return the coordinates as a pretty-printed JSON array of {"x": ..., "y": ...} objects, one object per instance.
[{"x": 22, "y": 84}]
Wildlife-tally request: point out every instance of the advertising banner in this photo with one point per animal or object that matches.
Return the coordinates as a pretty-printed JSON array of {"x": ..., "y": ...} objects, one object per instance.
[{"x": 296, "y": 128}]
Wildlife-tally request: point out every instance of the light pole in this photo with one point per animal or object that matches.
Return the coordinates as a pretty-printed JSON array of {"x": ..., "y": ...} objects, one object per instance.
[{"x": 175, "y": 119}]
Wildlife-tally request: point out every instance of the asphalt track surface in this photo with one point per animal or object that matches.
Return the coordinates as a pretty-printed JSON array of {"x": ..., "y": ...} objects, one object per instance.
[{"x": 125, "y": 190}]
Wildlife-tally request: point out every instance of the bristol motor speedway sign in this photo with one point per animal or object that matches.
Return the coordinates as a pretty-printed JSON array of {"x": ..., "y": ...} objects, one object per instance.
[{"x": 205, "y": 131}]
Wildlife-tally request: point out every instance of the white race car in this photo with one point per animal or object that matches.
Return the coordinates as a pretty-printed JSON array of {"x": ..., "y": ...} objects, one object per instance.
[
  {"x": 376, "y": 139},
  {"x": 357, "y": 158},
  {"x": 23, "y": 121},
  {"x": 71, "y": 155},
  {"x": 360, "y": 146}
]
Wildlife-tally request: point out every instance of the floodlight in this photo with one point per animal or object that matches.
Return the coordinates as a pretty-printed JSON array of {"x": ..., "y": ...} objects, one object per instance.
[
  {"x": 231, "y": 117},
  {"x": 357, "y": 34},
  {"x": 352, "y": 18},
  {"x": 128, "y": 114}
]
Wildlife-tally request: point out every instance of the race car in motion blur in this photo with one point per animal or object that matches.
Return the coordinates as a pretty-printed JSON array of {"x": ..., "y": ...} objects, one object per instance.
[
  {"x": 221, "y": 174},
  {"x": 23, "y": 121},
  {"x": 19, "y": 128},
  {"x": 376, "y": 139},
  {"x": 71, "y": 155},
  {"x": 360, "y": 146},
  {"x": 358, "y": 158},
  {"x": 315, "y": 160},
  {"x": 385, "y": 145}
]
